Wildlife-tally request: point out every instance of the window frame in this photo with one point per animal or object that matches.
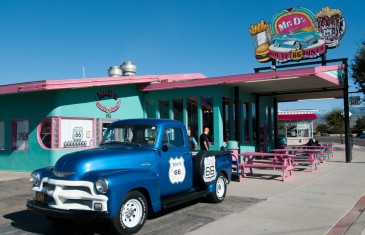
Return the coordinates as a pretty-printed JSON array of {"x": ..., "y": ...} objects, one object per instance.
[
  {"x": 14, "y": 135},
  {"x": 56, "y": 133},
  {"x": 2, "y": 135}
]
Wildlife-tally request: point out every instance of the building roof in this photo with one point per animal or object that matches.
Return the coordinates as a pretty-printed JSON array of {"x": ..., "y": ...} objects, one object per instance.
[
  {"x": 95, "y": 82},
  {"x": 297, "y": 117},
  {"x": 284, "y": 85}
]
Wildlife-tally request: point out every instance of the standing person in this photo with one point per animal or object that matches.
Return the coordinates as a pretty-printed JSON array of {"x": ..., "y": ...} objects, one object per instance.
[
  {"x": 192, "y": 141},
  {"x": 204, "y": 141}
]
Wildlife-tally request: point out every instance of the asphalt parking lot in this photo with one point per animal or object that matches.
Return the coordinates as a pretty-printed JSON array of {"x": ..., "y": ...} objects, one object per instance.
[{"x": 15, "y": 219}]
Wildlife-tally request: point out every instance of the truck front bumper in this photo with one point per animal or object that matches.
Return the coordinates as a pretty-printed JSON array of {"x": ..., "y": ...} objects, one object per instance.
[{"x": 43, "y": 209}]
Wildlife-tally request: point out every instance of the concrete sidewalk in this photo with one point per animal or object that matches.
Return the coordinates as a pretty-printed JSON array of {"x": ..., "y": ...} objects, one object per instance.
[{"x": 310, "y": 203}]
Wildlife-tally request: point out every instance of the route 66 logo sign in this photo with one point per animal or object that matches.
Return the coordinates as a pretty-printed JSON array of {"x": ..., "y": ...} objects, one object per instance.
[
  {"x": 177, "y": 170},
  {"x": 77, "y": 133},
  {"x": 210, "y": 172}
]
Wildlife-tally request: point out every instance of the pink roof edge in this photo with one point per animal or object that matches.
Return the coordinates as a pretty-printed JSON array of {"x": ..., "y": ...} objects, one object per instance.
[
  {"x": 92, "y": 82},
  {"x": 319, "y": 71},
  {"x": 169, "y": 81}
]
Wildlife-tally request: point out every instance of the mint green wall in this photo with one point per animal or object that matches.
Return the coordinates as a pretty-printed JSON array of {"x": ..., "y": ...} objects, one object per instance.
[
  {"x": 82, "y": 102},
  {"x": 34, "y": 106}
]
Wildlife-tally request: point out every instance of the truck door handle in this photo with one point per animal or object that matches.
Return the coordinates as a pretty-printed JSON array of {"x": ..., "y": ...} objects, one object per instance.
[
  {"x": 186, "y": 153},
  {"x": 145, "y": 164}
]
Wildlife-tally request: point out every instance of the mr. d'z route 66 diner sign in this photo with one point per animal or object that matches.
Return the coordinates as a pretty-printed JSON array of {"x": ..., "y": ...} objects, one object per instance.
[{"x": 296, "y": 34}]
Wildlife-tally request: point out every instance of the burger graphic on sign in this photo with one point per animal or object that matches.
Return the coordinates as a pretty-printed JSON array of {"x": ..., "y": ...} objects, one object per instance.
[
  {"x": 294, "y": 34},
  {"x": 259, "y": 35}
]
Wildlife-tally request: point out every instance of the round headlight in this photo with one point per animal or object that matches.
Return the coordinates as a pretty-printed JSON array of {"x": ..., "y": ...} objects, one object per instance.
[
  {"x": 34, "y": 178},
  {"x": 101, "y": 185}
]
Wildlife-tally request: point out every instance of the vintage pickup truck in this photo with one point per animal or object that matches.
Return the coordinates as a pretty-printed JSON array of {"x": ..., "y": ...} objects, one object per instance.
[{"x": 141, "y": 166}]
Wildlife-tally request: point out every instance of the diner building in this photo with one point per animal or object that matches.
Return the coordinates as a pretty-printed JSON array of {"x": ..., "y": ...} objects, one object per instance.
[
  {"x": 42, "y": 120},
  {"x": 296, "y": 125}
]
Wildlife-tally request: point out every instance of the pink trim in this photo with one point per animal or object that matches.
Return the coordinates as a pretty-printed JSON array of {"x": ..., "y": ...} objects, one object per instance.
[
  {"x": 322, "y": 72},
  {"x": 242, "y": 78},
  {"x": 60, "y": 145},
  {"x": 304, "y": 116},
  {"x": 93, "y": 82},
  {"x": 40, "y": 142}
]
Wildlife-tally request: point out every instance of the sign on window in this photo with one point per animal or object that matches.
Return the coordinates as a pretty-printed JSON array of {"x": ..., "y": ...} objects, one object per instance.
[
  {"x": 76, "y": 133},
  {"x": 21, "y": 135}
]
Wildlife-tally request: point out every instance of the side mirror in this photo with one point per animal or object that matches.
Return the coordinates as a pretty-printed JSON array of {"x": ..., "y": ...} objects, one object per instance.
[{"x": 165, "y": 148}]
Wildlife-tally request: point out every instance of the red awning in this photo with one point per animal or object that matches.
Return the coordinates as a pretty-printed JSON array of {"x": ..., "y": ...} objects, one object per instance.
[{"x": 294, "y": 117}]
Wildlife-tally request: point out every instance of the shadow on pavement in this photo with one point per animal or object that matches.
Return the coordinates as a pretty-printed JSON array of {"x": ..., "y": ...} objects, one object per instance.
[{"x": 188, "y": 217}]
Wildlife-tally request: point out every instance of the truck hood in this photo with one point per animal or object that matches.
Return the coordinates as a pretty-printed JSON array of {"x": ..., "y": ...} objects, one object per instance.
[{"x": 74, "y": 166}]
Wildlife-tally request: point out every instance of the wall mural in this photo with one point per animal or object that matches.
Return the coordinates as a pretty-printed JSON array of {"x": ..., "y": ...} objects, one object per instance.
[{"x": 296, "y": 34}]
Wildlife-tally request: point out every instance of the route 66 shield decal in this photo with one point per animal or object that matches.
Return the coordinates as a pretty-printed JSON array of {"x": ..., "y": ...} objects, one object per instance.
[
  {"x": 177, "y": 170},
  {"x": 210, "y": 172}
]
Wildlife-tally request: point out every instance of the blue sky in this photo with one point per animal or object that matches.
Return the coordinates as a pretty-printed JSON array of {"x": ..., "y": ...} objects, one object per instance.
[{"x": 45, "y": 40}]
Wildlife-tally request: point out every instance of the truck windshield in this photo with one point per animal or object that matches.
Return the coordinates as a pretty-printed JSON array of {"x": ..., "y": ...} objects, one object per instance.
[{"x": 131, "y": 134}]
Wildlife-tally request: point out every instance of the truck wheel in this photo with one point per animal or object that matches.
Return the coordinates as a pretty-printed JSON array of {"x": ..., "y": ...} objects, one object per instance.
[
  {"x": 220, "y": 189},
  {"x": 132, "y": 214}
]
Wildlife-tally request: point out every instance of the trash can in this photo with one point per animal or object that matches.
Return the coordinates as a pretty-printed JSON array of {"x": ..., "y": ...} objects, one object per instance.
[{"x": 232, "y": 146}]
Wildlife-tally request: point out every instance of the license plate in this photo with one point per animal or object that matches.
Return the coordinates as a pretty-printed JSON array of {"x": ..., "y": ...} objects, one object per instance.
[{"x": 39, "y": 197}]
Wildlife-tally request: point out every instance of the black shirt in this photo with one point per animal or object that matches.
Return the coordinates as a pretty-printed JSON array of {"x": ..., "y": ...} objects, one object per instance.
[{"x": 203, "y": 137}]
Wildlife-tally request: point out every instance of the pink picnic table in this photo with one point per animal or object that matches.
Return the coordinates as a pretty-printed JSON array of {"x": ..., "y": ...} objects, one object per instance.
[
  {"x": 282, "y": 161},
  {"x": 310, "y": 153}
]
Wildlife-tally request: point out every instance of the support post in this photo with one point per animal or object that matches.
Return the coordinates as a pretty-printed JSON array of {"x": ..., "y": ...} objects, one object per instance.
[
  {"x": 257, "y": 124},
  {"x": 348, "y": 149},
  {"x": 276, "y": 133}
]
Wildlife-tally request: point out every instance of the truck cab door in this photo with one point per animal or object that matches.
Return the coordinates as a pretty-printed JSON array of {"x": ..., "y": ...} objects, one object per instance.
[{"x": 176, "y": 167}]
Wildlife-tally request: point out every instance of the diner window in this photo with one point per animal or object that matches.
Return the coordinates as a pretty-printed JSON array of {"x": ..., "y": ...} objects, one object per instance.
[
  {"x": 19, "y": 135},
  {"x": 76, "y": 133},
  {"x": 2, "y": 140},
  {"x": 245, "y": 122},
  {"x": 163, "y": 108},
  {"x": 269, "y": 121},
  {"x": 177, "y": 109},
  {"x": 192, "y": 112},
  {"x": 151, "y": 109},
  {"x": 207, "y": 110},
  {"x": 61, "y": 132},
  {"x": 45, "y": 132},
  {"x": 253, "y": 118},
  {"x": 226, "y": 118},
  {"x": 102, "y": 126}
]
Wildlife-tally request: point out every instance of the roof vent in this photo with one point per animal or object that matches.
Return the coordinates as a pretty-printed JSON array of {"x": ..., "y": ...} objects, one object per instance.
[
  {"x": 115, "y": 71},
  {"x": 128, "y": 68}
]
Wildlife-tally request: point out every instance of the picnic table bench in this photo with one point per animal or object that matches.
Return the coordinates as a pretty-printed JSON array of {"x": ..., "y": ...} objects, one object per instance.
[
  {"x": 273, "y": 160},
  {"x": 302, "y": 155},
  {"x": 327, "y": 149}
]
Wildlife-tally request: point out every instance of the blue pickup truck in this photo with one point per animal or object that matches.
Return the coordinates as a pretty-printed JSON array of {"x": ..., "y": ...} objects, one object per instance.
[{"x": 141, "y": 166}]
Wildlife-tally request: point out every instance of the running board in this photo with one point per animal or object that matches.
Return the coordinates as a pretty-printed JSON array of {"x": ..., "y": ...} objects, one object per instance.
[{"x": 182, "y": 198}]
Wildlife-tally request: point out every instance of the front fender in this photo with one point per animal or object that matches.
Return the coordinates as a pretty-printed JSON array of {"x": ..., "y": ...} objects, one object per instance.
[{"x": 123, "y": 181}]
